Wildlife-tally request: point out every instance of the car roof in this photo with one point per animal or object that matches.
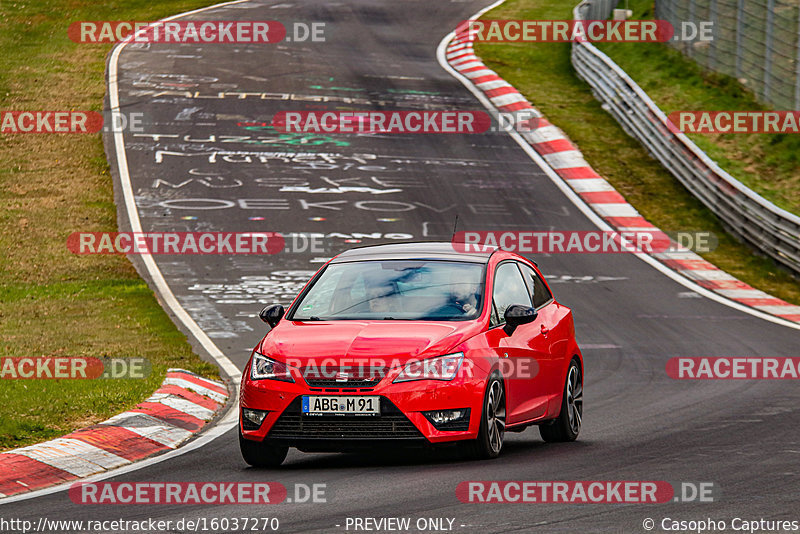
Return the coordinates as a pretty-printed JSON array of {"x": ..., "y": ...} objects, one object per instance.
[{"x": 412, "y": 251}]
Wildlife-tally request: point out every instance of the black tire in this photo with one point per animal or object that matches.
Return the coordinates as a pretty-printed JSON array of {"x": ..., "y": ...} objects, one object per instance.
[
  {"x": 260, "y": 454},
  {"x": 567, "y": 425},
  {"x": 493, "y": 422}
]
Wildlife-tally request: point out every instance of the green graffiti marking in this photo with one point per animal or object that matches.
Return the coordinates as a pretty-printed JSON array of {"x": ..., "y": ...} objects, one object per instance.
[
  {"x": 321, "y": 88},
  {"x": 294, "y": 138},
  {"x": 413, "y": 92}
]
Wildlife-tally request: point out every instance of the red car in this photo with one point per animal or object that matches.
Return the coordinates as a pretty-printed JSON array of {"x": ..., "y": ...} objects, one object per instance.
[{"x": 413, "y": 344}]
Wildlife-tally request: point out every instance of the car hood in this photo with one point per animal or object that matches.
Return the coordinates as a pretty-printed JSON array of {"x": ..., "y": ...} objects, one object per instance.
[{"x": 299, "y": 343}]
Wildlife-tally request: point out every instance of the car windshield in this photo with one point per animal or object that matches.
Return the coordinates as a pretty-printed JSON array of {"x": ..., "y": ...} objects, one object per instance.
[{"x": 420, "y": 290}]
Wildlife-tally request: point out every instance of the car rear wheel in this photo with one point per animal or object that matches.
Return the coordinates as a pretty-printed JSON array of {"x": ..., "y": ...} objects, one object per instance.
[
  {"x": 568, "y": 424},
  {"x": 260, "y": 454},
  {"x": 493, "y": 421}
]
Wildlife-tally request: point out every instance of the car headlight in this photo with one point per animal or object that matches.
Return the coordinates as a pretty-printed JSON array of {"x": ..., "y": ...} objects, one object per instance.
[
  {"x": 439, "y": 368},
  {"x": 266, "y": 368}
]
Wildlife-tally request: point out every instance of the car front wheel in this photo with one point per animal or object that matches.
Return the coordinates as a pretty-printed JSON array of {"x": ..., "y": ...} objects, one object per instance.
[
  {"x": 259, "y": 454},
  {"x": 493, "y": 421}
]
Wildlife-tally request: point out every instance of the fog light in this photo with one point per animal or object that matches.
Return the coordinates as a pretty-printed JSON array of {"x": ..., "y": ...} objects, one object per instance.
[
  {"x": 252, "y": 419},
  {"x": 457, "y": 419}
]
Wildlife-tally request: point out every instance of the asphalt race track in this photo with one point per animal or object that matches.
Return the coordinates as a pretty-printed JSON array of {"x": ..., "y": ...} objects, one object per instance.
[{"x": 208, "y": 161}]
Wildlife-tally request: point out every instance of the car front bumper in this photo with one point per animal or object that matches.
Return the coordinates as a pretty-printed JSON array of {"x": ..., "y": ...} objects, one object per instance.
[{"x": 401, "y": 421}]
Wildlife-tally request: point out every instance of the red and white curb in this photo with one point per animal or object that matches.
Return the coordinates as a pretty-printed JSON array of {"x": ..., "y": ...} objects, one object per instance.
[
  {"x": 568, "y": 163},
  {"x": 177, "y": 410}
]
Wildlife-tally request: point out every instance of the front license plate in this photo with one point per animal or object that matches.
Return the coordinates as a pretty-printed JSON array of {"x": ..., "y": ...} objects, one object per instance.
[{"x": 341, "y": 405}]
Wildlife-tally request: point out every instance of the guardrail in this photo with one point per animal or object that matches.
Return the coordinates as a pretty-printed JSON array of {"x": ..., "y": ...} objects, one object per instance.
[{"x": 768, "y": 228}]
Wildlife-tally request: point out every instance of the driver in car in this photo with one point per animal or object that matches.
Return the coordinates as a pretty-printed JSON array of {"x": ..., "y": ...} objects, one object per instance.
[
  {"x": 379, "y": 299},
  {"x": 463, "y": 296}
]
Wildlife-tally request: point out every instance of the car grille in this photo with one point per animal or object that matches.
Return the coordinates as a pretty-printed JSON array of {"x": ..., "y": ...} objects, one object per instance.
[
  {"x": 391, "y": 424},
  {"x": 353, "y": 382},
  {"x": 334, "y": 378}
]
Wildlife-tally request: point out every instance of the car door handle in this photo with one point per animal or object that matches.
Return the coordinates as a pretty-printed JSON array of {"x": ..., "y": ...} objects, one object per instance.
[{"x": 545, "y": 330}]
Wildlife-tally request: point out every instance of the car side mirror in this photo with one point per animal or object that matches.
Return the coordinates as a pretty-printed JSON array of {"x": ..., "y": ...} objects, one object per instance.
[
  {"x": 516, "y": 315},
  {"x": 272, "y": 314}
]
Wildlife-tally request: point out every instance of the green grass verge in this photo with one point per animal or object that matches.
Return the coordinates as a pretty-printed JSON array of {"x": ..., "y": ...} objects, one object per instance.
[
  {"x": 51, "y": 301},
  {"x": 544, "y": 74},
  {"x": 767, "y": 163}
]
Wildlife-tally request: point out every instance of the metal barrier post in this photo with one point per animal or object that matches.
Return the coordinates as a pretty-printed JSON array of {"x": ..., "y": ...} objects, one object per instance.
[{"x": 768, "y": 48}]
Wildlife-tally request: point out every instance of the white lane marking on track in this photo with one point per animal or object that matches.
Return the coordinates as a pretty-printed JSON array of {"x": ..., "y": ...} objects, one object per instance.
[
  {"x": 583, "y": 206},
  {"x": 136, "y": 226}
]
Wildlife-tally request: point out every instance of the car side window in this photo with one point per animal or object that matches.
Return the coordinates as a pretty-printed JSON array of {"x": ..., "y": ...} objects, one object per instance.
[
  {"x": 541, "y": 295},
  {"x": 509, "y": 288}
]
